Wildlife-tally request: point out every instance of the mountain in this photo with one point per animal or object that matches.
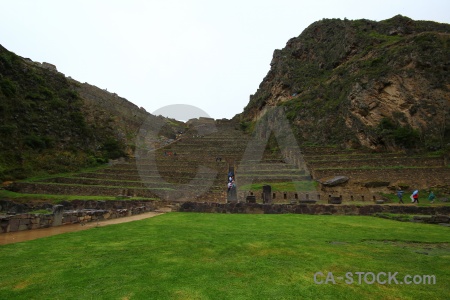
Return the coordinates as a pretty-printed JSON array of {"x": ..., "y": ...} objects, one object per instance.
[
  {"x": 50, "y": 123},
  {"x": 354, "y": 84},
  {"x": 379, "y": 85}
]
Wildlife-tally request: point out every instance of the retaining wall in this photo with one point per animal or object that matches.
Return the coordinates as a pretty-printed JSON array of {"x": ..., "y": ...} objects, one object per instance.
[
  {"x": 313, "y": 209},
  {"x": 79, "y": 211},
  {"x": 285, "y": 197},
  {"x": 76, "y": 211}
]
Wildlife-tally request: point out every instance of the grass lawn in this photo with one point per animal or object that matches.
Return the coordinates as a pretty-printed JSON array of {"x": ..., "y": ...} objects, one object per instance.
[{"x": 229, "y": 256}]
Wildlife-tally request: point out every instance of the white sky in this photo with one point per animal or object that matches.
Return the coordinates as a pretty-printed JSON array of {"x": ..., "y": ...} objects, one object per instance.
[{"x": 209, "y": 54}]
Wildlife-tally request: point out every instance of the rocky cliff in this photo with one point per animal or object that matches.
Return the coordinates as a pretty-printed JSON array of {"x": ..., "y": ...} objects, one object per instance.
[
  {"x": 382, "y": 85},
  {"x": 50, "y": 123}
]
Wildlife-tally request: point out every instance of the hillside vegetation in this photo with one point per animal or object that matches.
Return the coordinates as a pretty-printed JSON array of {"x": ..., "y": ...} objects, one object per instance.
[
  {"x": 381, "y": 85},
  {"x": 52, "y": 124}
]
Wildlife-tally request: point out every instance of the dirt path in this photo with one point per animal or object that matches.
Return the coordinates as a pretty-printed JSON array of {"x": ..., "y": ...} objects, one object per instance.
[{"x": 27, "y": 235}]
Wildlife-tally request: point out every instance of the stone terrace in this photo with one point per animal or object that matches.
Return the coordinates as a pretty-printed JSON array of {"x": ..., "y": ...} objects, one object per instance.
[
  {"x": 199, "y": 162},
  {"x": 194, "y": 154},
  {"x": 372, "y": 174}
]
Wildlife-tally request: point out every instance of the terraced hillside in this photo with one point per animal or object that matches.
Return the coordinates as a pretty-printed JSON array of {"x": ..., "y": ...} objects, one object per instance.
[
  {"x": 371, "y": 175},
  {"x": 195, "y": 168}
]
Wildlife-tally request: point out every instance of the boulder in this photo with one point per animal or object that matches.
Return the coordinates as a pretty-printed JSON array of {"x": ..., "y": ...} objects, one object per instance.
[{"x": 336, "y": 180}]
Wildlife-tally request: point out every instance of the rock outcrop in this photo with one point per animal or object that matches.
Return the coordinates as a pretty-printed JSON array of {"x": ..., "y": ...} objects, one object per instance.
[{"x": 381, "y": 85}]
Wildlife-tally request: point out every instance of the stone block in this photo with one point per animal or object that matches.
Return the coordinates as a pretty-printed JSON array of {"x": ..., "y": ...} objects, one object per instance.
[
  {"x": 58, "y": 211},
  {"x": 14, "y": 225},
  {"x": 250, "y": 199},
  {"x": 23, "y": 227},
  {"x": 36, "y": 220},
  {"x": 25, "y": 222},
  {"x": 334, "y": 181},
  {"x": 35, "y": 226},
  {"x": 5, "y": 227}
]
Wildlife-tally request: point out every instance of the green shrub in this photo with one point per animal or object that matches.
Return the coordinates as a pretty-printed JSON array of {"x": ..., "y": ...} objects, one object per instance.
[
  {"x": 8, "y": 59},
  {"x": 35, "y": 142},
  {"x": 393, "y": 133},
  {"x": 113, "y": 149},
  {"x": 93, "y": 161},
  {"x": 7, "y": 129},
  {"x": 57, "y": 103},
  {"x": 46, "y": 93},
  {"x": 38, "y": 142},
  {"x": 15, "y": 174},
  {"x": 8, "y": 87},
  {"x": 69, "y": 94},
  {"x": 406, "y": 136}
]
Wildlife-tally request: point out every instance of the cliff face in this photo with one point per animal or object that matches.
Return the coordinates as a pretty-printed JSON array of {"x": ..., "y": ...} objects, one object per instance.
[
  {"x": 50, "y": 123},
  {"x": 381, "y": 85}
]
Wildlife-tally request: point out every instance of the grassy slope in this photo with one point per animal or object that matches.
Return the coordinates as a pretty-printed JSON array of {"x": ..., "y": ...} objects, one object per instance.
[
  {"x": 43, "y": 126},
  {"x": 213, "y": 256},
  {"x": 47, "y": 127}
]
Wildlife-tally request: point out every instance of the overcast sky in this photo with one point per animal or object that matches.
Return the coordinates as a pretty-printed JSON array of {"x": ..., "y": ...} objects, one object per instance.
[{"x": 210, "y": 54}]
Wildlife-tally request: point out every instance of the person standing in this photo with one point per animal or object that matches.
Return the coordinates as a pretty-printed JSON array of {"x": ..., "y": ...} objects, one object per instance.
[
  {"x": 400, "y": 196},
  {"x": 415, "y": 196},
  {"x": 230, "y": 185},
  {"x": 431, "y": 197}
]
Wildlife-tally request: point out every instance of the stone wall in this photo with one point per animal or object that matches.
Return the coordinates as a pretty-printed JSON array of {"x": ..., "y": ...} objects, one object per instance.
[
  {"x": 79, "y": 211},
  {"x": 76, "y": 211},
  {"x": 314, "y": 209},
  {"x": 287, "y": 197},
  {"x": 280, "y": 197}
]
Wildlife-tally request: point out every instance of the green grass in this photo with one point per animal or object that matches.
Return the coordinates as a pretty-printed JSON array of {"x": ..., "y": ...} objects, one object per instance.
[
  {"x": 67, "y": 174},
  {"x": 222, "y": 256},
  {"x": 288, "y": 186},
  {"x": 21, "y": 197}
]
